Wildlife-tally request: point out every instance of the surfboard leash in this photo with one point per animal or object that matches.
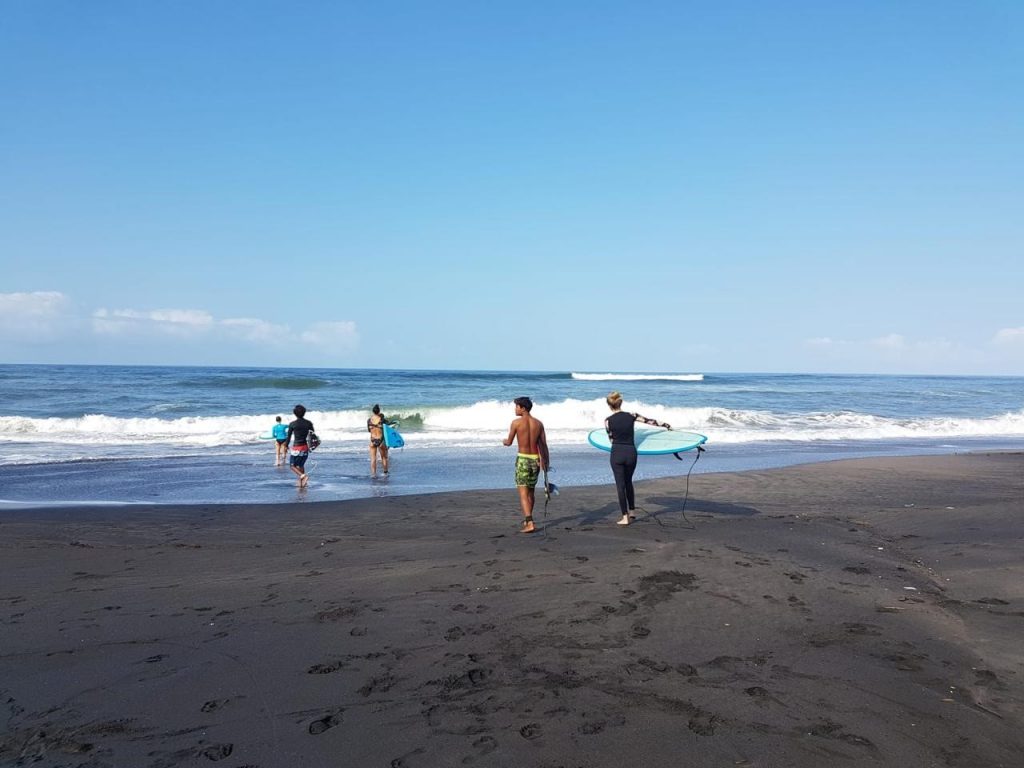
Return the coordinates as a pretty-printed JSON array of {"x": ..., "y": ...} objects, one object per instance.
[
  {"x": 550, "y": 489},
  {"x": 686, "y": 494}
]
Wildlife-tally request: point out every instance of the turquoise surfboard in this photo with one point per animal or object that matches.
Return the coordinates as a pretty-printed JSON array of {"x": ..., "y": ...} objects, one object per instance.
[
  {"x": 652, "y": 442},
  {"x": 391, "y": 437}
]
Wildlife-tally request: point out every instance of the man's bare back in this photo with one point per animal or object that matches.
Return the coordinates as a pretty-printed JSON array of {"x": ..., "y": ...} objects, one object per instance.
[{"x": 528, "y": 433}]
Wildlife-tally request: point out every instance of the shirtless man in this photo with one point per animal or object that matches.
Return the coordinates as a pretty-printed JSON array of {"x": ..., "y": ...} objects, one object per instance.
[{"x": 532, "y": 459}]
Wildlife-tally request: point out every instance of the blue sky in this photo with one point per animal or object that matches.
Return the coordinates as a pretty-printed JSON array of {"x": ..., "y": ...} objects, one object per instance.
[{"x": 642, "y": 186}]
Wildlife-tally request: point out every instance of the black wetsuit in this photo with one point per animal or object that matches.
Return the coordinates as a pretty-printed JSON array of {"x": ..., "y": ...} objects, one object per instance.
[
  {"x": 299, "y": 429},
  {"x": 620, "y": 429},
  {"x": 623, "y": 459}
]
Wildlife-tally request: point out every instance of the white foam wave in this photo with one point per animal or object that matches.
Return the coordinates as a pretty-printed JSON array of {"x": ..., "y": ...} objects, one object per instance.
[
  {"x": 479, "y": 424},
  {"x": 638, "y": 376}
]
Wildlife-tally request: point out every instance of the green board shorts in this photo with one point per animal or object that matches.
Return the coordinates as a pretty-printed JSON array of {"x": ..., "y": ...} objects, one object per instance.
[{"x": 527, "y": 470}]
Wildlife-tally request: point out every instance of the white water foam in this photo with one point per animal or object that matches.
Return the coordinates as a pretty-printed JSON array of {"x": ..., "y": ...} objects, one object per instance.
[{"x": 481, "y": 424}]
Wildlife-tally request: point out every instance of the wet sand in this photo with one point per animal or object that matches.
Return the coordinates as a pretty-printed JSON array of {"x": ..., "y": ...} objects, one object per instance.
[{"x": 851, "y": 613}]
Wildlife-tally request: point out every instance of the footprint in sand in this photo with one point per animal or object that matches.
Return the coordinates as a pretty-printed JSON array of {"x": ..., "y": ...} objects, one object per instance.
[
  {"x": 856, "y": 628},
  {"x": 400, "y": 762},
  {"x": 324, "y": 723},
  {"x": 218, "y": 751},
  {"x": 656, "y": 666},
  {"x": 828, "y": 729},
  {"x": 530, "y": 731},
  {"x": 906, "y": 663},
  {"x": 486, "y": 744},
  {"x": 704, "y": 723},
  {"x": 860, "y": 570},
  {"x": 762, "y": 696},
  {"x": 986, "y": 678},
  {"x": 379, "y": 684},
  {"x": 796, "y": 602}
]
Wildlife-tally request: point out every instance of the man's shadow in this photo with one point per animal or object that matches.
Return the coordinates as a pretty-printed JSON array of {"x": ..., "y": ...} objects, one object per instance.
[{"x": 609, "y": 511}]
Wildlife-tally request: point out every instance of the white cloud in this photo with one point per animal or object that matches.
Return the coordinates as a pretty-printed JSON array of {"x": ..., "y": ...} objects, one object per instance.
[
  {"x": 175, "y": 322},
  {"x": 341, "y": 335},
  {"x": 1008, "y": 336},
  {"x": 258, "y": 331},
  {"x": 33, "y": 316},
  {"x": 896, "y": 353},
  {"x": 35, "y": 304},
  {"x": 821, "y": 342},
  {"x": 892, "y": 341}
]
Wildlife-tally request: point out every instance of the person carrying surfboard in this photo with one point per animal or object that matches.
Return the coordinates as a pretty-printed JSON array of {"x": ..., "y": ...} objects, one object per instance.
[
  {"x": 375, "y": 426},
  {"x": 280, "y": 433},
  {"x": 620, "y": 428},
  {"x": 300, "y": 430},
  {"x": 532, "y": 459}
]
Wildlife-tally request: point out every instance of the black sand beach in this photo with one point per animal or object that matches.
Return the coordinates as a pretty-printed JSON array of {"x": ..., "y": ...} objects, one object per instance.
[{"x": 856, "y": 613}]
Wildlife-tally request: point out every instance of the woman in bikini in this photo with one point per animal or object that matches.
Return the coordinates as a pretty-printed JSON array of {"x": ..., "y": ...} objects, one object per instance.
[{"x": 375, "y": 426}]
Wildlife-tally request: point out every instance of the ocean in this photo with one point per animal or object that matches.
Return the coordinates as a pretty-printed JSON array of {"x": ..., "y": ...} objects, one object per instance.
[{"x": 116, "y": 434}]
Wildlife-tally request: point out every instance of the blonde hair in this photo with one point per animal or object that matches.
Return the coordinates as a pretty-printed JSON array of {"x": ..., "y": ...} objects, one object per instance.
[{"x": 614, "y": 400}]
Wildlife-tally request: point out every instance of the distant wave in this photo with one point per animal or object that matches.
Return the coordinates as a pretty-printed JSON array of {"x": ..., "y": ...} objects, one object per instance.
[
  {"x": 261, "y": 382},
  {"x": 488, "y": 376},
  {"x": 638, "y": 376}
]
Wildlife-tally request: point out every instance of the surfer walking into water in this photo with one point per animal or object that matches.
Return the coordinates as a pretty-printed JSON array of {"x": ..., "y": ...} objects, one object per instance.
[
  {"x": 299, "y": 431},
  {"x": 620, "y": 428},
  {"x": 280, "y": 433},
  {"x": 375, "y": 426},
  {"x": 532, "y": 459}
]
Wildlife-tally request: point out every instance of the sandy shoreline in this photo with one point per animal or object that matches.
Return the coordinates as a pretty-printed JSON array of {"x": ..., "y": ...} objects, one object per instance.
[{"x": 864, "y": 612}]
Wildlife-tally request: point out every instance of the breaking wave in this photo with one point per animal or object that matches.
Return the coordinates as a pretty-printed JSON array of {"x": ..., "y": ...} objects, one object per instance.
[{"x": 480, "y": 424}]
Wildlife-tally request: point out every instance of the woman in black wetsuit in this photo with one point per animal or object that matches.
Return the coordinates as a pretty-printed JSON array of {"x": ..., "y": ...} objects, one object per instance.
[{"x": 620, "y": 431}]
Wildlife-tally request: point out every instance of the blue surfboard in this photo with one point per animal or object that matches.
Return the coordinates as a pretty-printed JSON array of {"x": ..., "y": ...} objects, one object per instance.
[
  {"x": 652, "y": 442},
  {"x": 391, "y": 437}
]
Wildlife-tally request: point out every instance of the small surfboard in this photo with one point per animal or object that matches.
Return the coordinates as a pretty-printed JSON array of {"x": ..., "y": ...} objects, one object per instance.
[
  {"x": 652, "y": 442},
  {"x": 391, "y": 437},
  {"x": 267, "y": 436}
]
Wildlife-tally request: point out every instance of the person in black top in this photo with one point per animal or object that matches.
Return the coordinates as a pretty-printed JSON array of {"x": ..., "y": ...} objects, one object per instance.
[
  {"x": 623, "y": 459},
  {"x": 299, "y": 429}
]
